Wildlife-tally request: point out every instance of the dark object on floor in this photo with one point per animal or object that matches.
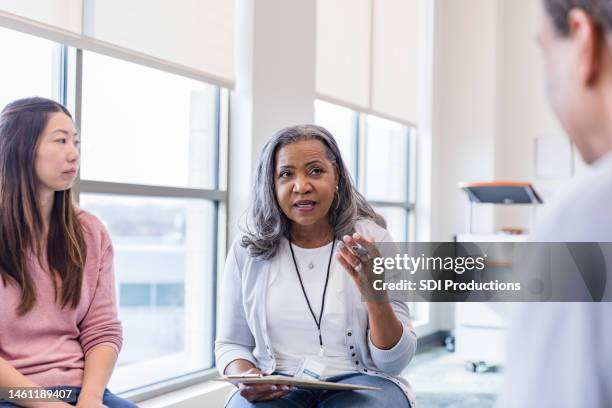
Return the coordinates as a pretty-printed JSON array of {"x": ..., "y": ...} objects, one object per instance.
[
  {"x": 480, "y": 367},
  {"x": 449, "y": 342}
]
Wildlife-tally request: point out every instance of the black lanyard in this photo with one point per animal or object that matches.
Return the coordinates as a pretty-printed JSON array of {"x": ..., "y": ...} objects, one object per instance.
[{"x": 317, "y": 322}]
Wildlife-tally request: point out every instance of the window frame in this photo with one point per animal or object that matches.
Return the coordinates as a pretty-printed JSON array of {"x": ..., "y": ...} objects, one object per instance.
[
  {"x": 421, "y": 311},
  {"x": 359, "y": 139},
  {"x": 409, "y": 204}
]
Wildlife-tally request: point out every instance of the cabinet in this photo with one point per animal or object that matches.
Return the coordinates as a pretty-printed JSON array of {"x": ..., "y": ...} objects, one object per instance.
[{"x": 480, "y": 328}]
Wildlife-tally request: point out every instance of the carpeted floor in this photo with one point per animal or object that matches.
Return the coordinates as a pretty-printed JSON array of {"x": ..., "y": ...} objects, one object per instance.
[{"x": 439, "y": 379}]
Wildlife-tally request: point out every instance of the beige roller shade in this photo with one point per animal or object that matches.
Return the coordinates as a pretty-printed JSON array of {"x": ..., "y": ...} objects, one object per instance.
[
  {"x": 368, "y": 55},
  {"x": 395, "y": 59},
  {"x": 189, "y": 37},
  {"x": 61, "y": 14},
  {"x": 343, "y": 51},
  {"x": 194, "y": 33}
]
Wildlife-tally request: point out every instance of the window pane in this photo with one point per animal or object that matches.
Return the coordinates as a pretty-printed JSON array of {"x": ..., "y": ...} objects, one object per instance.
[
  {"x": 340, "y": 122},
  {"x": 170, "y": 294},
  {"x": 164, "y": 270},
  {"x": 134, "y": 294},
  {"x": 27, "y": 66},
  {"x": 397, "y": 222},
  {"x": 386, "y": 160},
  {"x": 145, "y": 126}
]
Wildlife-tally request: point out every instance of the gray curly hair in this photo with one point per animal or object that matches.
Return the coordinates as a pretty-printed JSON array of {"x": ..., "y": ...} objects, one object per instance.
[{"x": 267, "y": 224}]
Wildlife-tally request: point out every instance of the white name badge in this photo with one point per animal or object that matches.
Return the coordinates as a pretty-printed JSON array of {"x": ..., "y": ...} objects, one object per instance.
[{"x": 310, "y": 369}]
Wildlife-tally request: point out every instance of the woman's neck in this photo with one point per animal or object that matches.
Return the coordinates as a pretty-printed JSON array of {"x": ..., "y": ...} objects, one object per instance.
[
  {"x": 45, "y": 200},
  {"x": 311, "y": 236}
]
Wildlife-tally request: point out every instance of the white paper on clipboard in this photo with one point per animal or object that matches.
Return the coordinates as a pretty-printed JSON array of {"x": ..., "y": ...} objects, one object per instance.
[{"x": 296, "y": 382}]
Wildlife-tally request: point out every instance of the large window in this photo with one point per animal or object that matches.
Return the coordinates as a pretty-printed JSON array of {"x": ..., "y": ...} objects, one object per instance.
[
  {"x": 153, "y": 162},
  {"x": 29, "y": 67},
  {"x": 380, "y": 156},
  {"x": 151, "y": 171},
  {"x": 155, "y": 128}
]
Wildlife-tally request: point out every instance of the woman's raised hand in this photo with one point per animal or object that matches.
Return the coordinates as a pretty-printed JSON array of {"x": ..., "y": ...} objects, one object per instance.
[{"x": 356, "y": 255}]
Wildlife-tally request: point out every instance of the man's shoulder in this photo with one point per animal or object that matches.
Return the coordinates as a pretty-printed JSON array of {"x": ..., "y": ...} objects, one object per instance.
[{"x": 582, "y": 213}]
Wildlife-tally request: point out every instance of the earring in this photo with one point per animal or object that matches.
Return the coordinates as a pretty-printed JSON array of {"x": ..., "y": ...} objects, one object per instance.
[{"x": 336, "y": 202}]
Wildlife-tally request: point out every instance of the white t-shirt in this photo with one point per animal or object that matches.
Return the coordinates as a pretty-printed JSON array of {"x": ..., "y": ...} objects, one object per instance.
[
  {"x": 560, "y": 354},
  {"x": 291, "y": 327}
]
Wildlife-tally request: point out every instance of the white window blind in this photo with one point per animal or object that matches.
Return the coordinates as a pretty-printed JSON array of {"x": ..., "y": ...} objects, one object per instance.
[
  {"x": 343, "y": 51},
  {"x": 368, "y": 55},
  {"x": 395, "y": 59},
  {"x": 194, "y": 33},
  {"x": 62, "y": 14},
  {"x": 190, "y": 37}
]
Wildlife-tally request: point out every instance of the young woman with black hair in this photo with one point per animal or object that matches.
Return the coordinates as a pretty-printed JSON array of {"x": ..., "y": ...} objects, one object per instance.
[{"x": 58, "y": 315}]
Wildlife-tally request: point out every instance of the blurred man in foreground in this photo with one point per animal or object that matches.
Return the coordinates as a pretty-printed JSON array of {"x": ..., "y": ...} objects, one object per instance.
[{"x": 560, "y": 354}]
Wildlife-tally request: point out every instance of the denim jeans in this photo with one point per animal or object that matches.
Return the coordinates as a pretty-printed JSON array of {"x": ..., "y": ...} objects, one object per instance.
[
  {"x": 391, "y": 396},
  {"x": 109, "y": 399}
]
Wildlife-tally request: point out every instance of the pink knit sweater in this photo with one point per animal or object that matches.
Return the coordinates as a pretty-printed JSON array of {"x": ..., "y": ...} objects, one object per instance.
[{"x": 48, "y": 344}]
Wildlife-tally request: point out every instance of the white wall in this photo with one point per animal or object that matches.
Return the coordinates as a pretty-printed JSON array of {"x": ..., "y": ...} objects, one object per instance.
[
  {"x": 489, "y": 106},
  {"x": 463, "y": 109},
  {"x": 523, "y": 113}
]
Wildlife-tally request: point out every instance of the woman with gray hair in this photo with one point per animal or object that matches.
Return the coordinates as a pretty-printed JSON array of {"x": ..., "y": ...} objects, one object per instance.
[{"x": 296, "y": 299}]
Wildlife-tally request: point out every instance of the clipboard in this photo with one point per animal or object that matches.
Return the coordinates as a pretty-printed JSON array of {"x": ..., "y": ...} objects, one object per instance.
[{"x": 296, "y": 382}]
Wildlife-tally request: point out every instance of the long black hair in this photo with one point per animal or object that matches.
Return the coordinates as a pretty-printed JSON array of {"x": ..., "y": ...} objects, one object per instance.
[{"x": 21, "y": 220}]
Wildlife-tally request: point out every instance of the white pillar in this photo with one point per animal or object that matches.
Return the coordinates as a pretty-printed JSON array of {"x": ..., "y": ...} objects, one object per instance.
[
  {"x": 463, "y": 111},
  {"x": 275, "y": 85}
]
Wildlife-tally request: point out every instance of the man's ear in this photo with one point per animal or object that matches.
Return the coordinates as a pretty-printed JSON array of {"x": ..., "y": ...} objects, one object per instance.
[{"x": 588, "y": 39}]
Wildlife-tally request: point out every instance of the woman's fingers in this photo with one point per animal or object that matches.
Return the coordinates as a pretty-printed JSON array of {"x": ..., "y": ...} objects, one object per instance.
[
  {"x": 349, "y": 256},
  {"x": 263, "y": 392},
  {"x": 347, "y": 266},
  {"x": 360, "y": 247},
  {"x": 258, "y": 388},
  {"x": 368, "y": 244},
  {"x": 274, "y": 395}
]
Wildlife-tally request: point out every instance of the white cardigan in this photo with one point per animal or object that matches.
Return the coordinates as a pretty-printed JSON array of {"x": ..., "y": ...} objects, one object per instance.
[{"x": 242, "y": 331}]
